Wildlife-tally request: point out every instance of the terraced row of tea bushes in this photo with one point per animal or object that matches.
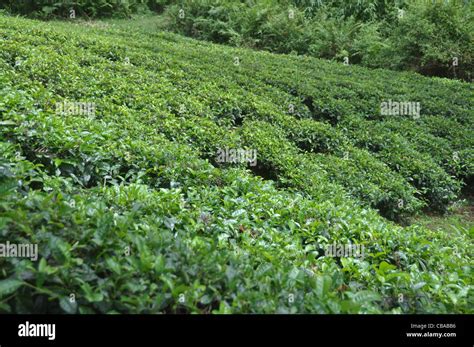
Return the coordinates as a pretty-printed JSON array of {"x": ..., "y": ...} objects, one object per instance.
[
  {"x": 438, "y": 187},
  {"x": 356, "y": 169},
  {"x": 84, "y": 235},
  {"x": 206, "y": 136},
  {"x": 278, "y": 96},
  {"x": 93, "y": 151},
  {"x": 361, "y": 91},
  {"x": 39, "y": 69},
  {"x": 122, "y": 129},
  {"x": 433, "y": 182},
  {"x": 393, "y": 198},
  {"x": 232, "y": 108},
  {"x": 452, "y": 148},
  {"x": 101, "y": 291},
  {"x": 460, "y": 95},
  {"x": 253, "y": 66},
  {"x": 416, "y": 165},
  {"x": 129, "y": 248}
]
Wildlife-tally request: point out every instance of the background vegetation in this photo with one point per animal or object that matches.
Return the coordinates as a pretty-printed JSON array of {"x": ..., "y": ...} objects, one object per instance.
[{"x": 422, "y": 36}]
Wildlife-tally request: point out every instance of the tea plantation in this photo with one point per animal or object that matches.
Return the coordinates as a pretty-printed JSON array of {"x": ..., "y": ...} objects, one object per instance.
[{"x": 133, "y": 213}]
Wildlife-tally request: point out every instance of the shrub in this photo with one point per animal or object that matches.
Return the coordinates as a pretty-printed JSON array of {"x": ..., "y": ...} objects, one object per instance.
[
  {"x": 370, "y": 32},
  {"x": 83, "y": 8},
  {"x": 138, "y": 176},
  {"x": 430, "y": 35}
]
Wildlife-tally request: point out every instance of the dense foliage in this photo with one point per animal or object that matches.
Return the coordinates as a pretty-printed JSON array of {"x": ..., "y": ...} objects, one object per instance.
[
  {"x": 423, "y": 36},
  {"x": 132, "y": 212},
  {"x": 434, "y": 38},
  {"x": 83, "y": 8}
]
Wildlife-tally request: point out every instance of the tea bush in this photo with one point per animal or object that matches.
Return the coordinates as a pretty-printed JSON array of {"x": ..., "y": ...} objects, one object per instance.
[{"x": 133, "y": 213}]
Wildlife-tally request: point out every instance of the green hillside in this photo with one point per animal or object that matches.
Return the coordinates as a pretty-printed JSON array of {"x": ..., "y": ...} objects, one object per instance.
[{"x": 133, "y": 211}]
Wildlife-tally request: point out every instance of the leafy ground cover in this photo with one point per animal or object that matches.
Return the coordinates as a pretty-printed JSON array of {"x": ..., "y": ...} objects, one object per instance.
[{"x": 132, "y": 211}]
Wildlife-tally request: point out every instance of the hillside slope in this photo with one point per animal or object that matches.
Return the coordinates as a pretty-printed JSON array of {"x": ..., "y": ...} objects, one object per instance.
[{"x": 133, "y": 212}]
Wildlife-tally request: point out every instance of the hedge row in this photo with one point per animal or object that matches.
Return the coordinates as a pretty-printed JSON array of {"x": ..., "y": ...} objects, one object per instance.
[{"x": 132, "y": 213}]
